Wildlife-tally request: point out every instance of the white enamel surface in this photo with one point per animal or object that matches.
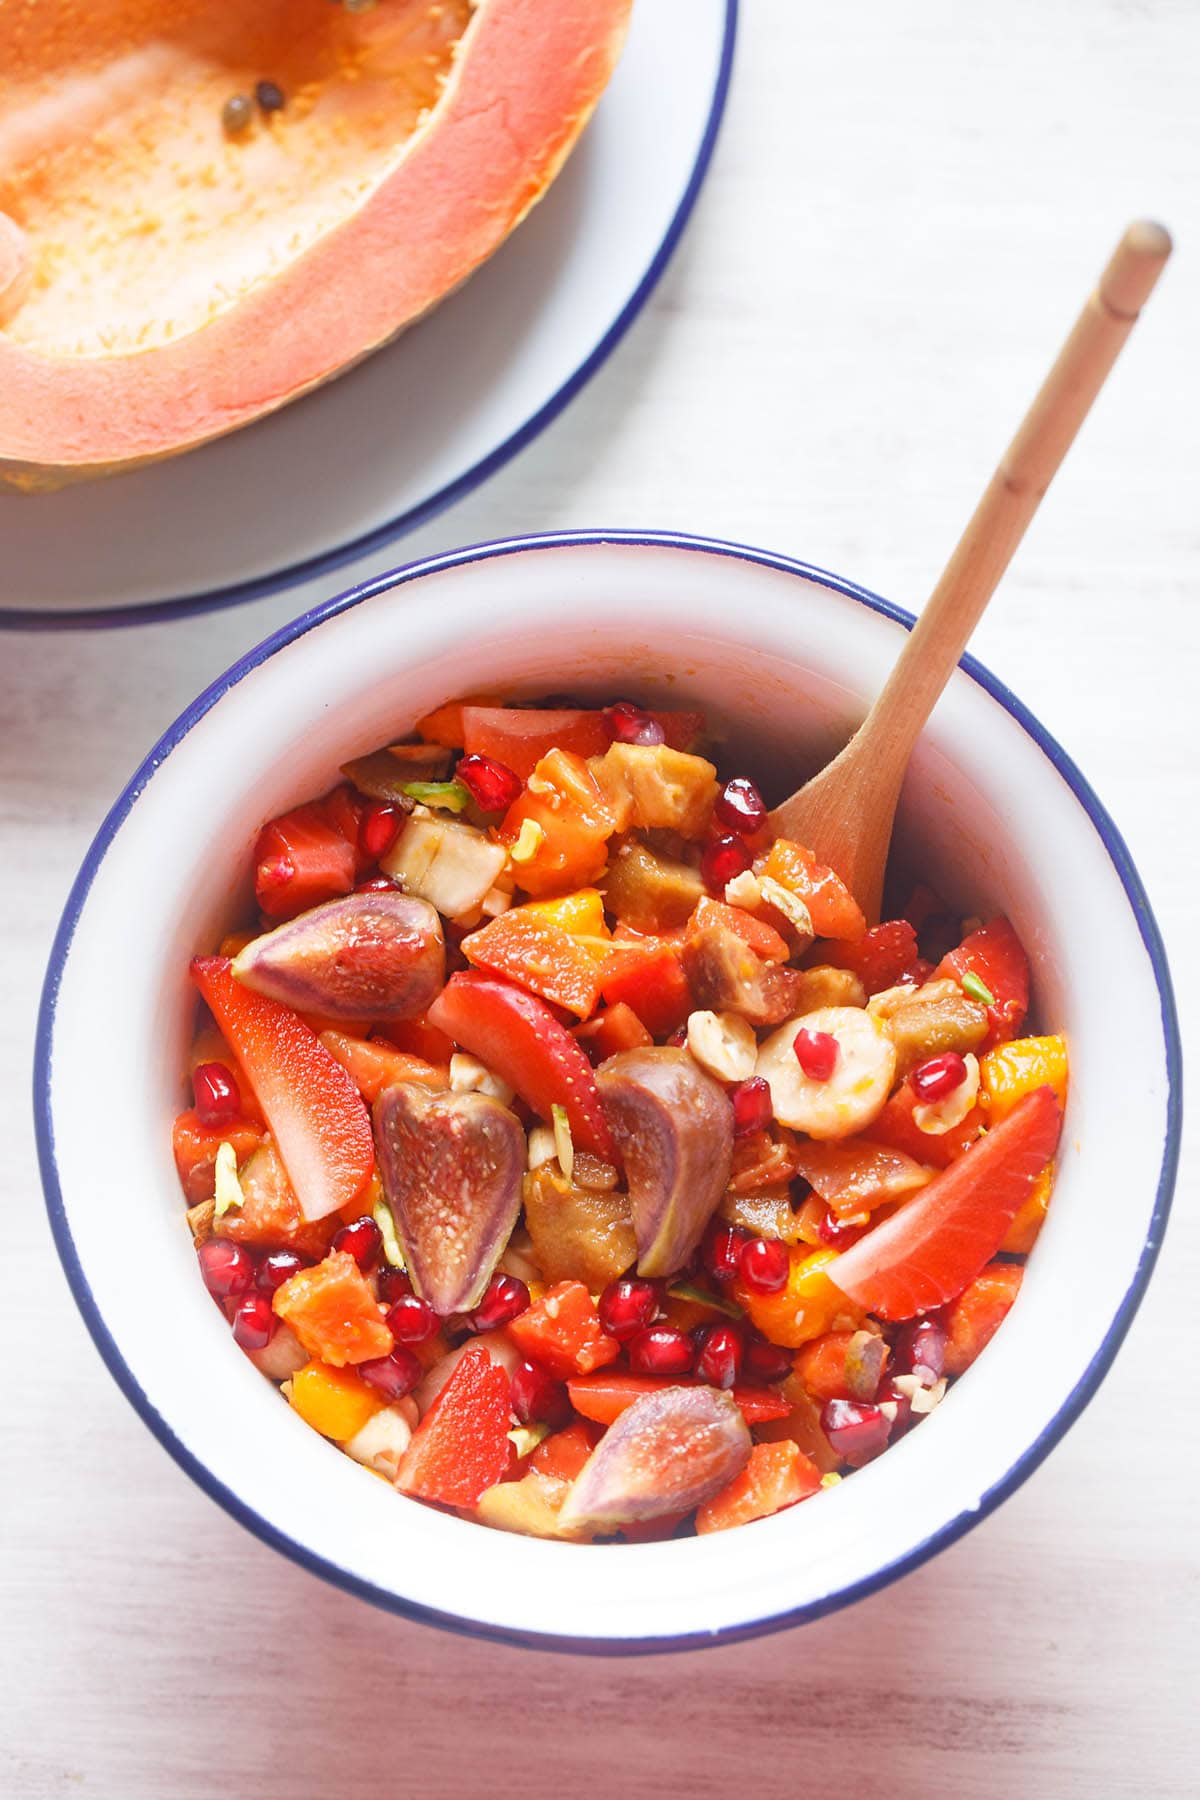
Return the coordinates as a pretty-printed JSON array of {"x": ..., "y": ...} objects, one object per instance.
[
  {"x": 384, "y": 439},
  {"x": 777, "y": 662}
]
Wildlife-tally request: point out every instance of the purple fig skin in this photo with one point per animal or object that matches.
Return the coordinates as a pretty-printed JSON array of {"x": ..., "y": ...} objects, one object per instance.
[
  {"x": 368, "y": 956},
  {"x": 670, "y": 1451},
  {"x": 673, "y": 1125},
  {"x": 452, "y": 1167}
]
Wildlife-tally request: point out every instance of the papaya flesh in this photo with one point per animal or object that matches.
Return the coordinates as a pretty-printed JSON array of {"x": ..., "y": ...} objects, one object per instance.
[{"x": 165, "y": 279}]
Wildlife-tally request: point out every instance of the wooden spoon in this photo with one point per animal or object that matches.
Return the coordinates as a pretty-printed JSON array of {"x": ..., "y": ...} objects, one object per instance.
[{"x": 845, "y": 813}]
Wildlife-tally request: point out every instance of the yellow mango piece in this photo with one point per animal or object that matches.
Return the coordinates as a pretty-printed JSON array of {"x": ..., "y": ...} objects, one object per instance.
[
  {"x": 334, "y": 1402},
  {"x": 580, "y": 913},
  {"x": 1021, "y": 1235},
  {"x": 808, "y": 1307},
  {"x": 1010, "y": 1071}
]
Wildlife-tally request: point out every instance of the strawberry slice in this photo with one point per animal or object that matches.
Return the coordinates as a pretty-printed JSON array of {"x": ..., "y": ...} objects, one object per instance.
[
  {"x": 604, "y": 1397},
  {"x": 880, "y": 958},
  {"x": 461, "y": 1447},
  {"x": 927, "y": 1252},
  {"x": 520, "y": 1040},
  {"x": 316, "y": 1115},
  {"x": 304, "y": 856},
  {"x": 994, "y": 955}
]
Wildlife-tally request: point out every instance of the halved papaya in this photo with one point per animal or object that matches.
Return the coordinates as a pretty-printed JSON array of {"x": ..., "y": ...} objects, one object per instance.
[{"x": 173, "y": 266}]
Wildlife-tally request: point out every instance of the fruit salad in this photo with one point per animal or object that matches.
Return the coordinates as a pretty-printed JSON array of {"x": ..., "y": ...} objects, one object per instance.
[{"x": 573, "y": 1155}]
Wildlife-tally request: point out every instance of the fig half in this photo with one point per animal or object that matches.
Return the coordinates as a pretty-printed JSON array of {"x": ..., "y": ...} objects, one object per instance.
[
  {"x": 367, "y": 956},
  {"x": 673, "y": 1125},
  {"x": 452, "y": 1166},
  {"x": 670, "y": 1451}
]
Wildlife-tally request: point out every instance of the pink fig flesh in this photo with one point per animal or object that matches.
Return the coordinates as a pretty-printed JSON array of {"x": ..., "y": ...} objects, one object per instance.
[
  {"x": 367, "y": 956},
  {"x": 673, "y": 1126},
  {"x": 452, "y": 1166},
  {"x": 670, "y": 1451}
]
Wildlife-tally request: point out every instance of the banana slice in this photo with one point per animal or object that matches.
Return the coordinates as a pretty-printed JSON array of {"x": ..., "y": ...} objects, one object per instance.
[{"x": 856, "y": 1091}]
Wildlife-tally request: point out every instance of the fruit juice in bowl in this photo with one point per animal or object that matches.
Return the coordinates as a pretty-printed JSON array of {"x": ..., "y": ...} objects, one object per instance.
[{"x": 580, "y": 1164}]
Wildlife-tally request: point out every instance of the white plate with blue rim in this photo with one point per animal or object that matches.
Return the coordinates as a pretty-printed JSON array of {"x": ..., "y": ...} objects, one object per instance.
[{"x": 343, "y": 472}]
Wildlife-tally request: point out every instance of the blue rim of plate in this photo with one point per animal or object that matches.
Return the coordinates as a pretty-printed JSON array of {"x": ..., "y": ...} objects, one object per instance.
[
  {"x": 152, "y": 612},
  {"x": 954, "y": 1528}
]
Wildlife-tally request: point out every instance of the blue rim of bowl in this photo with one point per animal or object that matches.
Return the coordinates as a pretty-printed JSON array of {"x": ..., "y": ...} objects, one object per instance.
[
  {"x": 152, "y": 612},
  {"x": 954, "y": 1528}
]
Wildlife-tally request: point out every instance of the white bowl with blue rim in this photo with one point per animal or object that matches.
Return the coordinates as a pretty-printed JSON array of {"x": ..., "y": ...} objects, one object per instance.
[{"x": 784, "y": 659}]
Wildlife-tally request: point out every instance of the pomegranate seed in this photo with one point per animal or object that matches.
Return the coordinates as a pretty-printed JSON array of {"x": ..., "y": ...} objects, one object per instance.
[
  {"x": 254, "y": 1322},
  {"x": 920, "y": 1349},
  {"x": 833, "y": 1231},
  {"x": 751, "y": 1106},
  {"x": 720, "y": 1359},
  {"x": 627, "y": 1307},
  {"x": 661, "y": 1350},
  {"x": 764, "y": 1361},
  {"x": 740, "y": 806},
  {"x": 939, "y": 1076},
  {"x": 277, "y": 1268},
  {"x": 816, "y": 1052},
  {"x": 678, "y": 1037},
  {"x": 537, "y": 1399},
  {"x": 630, "y": 725},
  {"x": 764, "y": 1265},
  {"x": 412, "y": 1320},
  {"x": 227, "y": 1269},
  {"x": 394, "y": 1375},
  {"x": 725, "y": 858},
  {"x": 218, "y": 1101},
  {"x": 393, "y": 1284},
  {"x": 493, "y": 785},
  {"x": 722, "y": 1249},
  {"x": 904, "y": 1413},
  {"x": 363, "y": 1240},
  {"x": 378, "y": 884},
  {"x": 379, "y": 830},
  {"x": 857, "y": 1432},
  {"x": 504, "y": 1299}
]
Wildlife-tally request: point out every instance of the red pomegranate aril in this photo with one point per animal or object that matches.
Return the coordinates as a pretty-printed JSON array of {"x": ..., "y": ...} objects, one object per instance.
[
  {"x": 721, "y": 1250},
  {"x": 920, "y": 1349},
  {"x": 394, "y": 1375},
  {"x": 276, "y": 1268},
  {"x": 816, "y": 1052},
  {"x": 363, "y": 1240},
  {"x": 765, "y": 1361},
  {"x": 412, "y": 1320},
  {"x": 392, "y": 1284},
  {"x": 741, "y": 807},
  {"x": 678, "y": 1037},
  {"x": 725, "y": 858},
  {"x": 627, "y": 1307},
  {"x": 506, "y": 1296},
  {"x": 835, "y": 1232},
  {"x": 891, "y": 1396},
  {"x": 492, "y": 785},
  {"x": 378, "y": 884},
  {"x": 751, "y": 1106},
  {"x": 855, "y": 1431},
  {"x": 254, "y": 1322},
  {"x": 939, "y": 1076},
  {"x": 719, "y": 1361},
  {"x": 537, "y": 1399},
  {"x": 630, "y": 725},
  {"x": 764, "y": 1265},
  {"x": 227, "y": 1269},
  {"x": 379, "y": 830},
  {"x": 661, "y": 1350},
  {"x": 218, "y": 1098}
]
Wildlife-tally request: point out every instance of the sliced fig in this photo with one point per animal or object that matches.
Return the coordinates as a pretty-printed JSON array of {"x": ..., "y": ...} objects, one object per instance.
[
  {"x": 673, "y": 1125},
  {"x": 367, "y": 956},
  {"x": 670, "y": 1451},
  {"x": 726, "y": 975},
  {"x": 452, "y": 1166}
]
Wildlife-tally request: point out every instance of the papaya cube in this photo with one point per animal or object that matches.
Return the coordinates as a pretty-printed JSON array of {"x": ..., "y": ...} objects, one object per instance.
[{"x": 333, "y": 1312}]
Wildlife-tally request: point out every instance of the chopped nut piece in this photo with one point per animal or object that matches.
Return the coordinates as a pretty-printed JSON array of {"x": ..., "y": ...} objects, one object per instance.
[
  {"x": 200, "y": 1221},
  {"x": 744, "y": 891},
  {"x": 787, "y": 903},
  {"x": 542, "y": 1148},
  {"x": 722, "y": 1043},
  {"x": 469, "y": 1076}
]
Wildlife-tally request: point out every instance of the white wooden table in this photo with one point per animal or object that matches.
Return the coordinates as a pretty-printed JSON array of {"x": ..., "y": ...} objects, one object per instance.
[{"x": 906, "y": 208}]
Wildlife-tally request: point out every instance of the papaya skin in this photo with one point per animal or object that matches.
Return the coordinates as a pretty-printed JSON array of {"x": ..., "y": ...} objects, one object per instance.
[{"x": 519, "y": 87}]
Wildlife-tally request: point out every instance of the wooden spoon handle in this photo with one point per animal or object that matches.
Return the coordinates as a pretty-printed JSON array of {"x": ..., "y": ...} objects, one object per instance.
[{"x": 1015, "y": 491}]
